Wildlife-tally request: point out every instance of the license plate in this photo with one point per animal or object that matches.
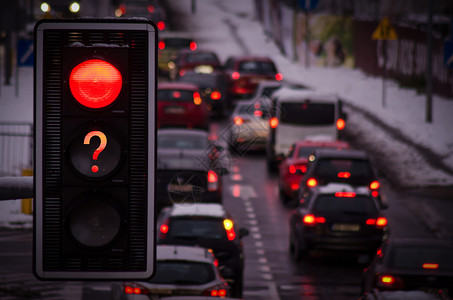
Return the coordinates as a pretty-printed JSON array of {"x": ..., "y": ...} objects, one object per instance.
[
  {"x": 256, "y": 80},
  {"x": 346, "y": 227},
  {"x": 174, "y": 110}
]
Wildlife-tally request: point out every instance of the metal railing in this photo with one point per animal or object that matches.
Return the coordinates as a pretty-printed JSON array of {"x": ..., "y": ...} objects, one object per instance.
[{"x": 16, "y": 148}]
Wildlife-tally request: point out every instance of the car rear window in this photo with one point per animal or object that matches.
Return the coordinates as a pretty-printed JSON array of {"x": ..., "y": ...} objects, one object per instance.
[
  {"x": 330, "y": 169},
  {"x": 182, "y": 273},
  {"x": 257, "y": 67},
  {"x": 202, "y": 57},
  {"x": 175, "y": 95},
  {"x": 177, "y": 43},
  {"x": 305, "y": 113},
  {"x": 345, "y": 205},
  {"x": 412, "y": 257},
  {"x": 197, "y": 227}
]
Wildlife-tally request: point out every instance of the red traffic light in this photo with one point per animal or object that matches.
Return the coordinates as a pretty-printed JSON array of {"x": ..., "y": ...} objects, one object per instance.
[{"x": 95, "y": 83}]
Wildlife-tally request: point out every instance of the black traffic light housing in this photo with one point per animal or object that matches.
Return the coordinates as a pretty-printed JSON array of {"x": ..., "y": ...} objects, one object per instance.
[{"x": 95, "y": 140}]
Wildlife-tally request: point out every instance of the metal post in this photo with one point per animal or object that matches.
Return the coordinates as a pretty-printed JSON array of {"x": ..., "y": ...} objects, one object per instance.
[{"x": 429, "y": 75}]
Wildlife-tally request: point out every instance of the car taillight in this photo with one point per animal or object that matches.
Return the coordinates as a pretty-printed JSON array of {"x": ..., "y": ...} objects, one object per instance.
[
  {"x": 312, "y": 220},
  {"x": 389, "y": 282},
  {"x": 258, "y": 113},
  {"x": 374, "y": 185},
  {"x": 344, "y": 174},
  {"x": 380, "y": 222},
  {"x": 164, "y": 228},
  {"x": 213, "y": 183},
  {"x": 340, "y": 124},
  {"x": 193, "y": 46},
  {"x": 161, "y": 45},
  {"x": 273, "y": 122},
  {"x": 216, "y": 95},
  {"x": 161, "y": 25},
  {"x": 294, "y": 186},
  {"x": 293, "y": 168},
  {"x": 235, "y": 75},
  {"x": 430, "y": 266},
  {"x": 182, "y": 73},
  {"x": 219, "y": 290},
  {"x": 345, "y": 194},
  {"x": 278, "y": 77},
  {"x": 196, "y": 98},
  {"x": 134, "y": 288},
  {"x": 238, "y": 120},
  {"x": 229, "y": 227},
  {"x": 312, "y": 182}
]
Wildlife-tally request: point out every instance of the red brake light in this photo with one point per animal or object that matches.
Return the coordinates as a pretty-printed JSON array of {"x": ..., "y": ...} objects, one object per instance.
[
  {"x": 161, "y": 25},
  {"x": 212, "y": 176},
  {"x": 344, "y": 174},
  {"x": 294, "y": 186},
  {"x": 292, "y": 169},
  {"x": 389, "y": 281},
  {"x": 273, "y": 122},
  {"x": 196, "y": 98},
  {"x": 375, "y": 194},
  {"x": 235, "y": 75},
  {"x": 278, "y": 77},
  {"x": 193, "y": 46},
  {"x": 374, "y": 185},
  {"x": 216, "y": 95},
  {"x": 151, "y": 8},
  {"x": 312, "y": 220},
  {"x": 128, "y": 290},
  {"x": 312, "y": 182},
  {"x": 258, "y": 113},
  {"x": 164, "y": 228},
  {"x": 345, "y": 194},
  {"x": 161, "y": 45},
  {"x": 238, "y": 120},
  {"x": 430, "y": 266},
  {"x": 379, "y": 222},
  {"x": 340, "y": 124},
  {"x": 95, "y": 83}
]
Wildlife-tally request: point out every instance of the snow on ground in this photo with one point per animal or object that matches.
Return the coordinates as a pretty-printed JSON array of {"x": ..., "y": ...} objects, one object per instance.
[{"x": 231, "y": 28}]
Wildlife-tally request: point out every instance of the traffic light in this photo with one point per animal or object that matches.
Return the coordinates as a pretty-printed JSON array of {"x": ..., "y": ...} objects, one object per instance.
[{"x": 95, "y": 139}]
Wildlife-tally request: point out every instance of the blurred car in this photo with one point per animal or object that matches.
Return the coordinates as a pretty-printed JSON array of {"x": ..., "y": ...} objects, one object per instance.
[
  {"x": 245, "y": 72},
  {"x": 188, "y": 168},
  {"x": 181, "y": 105},
  {"x": 180, "y": 270},
  {"x": 213, "y": 87},
  {"x": 249, "y": 127},
  {"x": 401, "y": 295},
  {"x": 348, "y": 166},
  {"x": 294, "y": 165},
  {"x": 337, "y": 218},
  {"x": 207, "y": 225},
  {"x": 200, "y": 61},
  {"x": 150, "y": 9},
  {"x": 169, "y": 45},
  {"x": 298, "y": 114},
  {"x": 411, "y": 264}
]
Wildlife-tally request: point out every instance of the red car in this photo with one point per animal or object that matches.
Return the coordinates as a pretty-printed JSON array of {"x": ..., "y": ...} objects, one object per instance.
[
  {"x": 200, "y": 61},
  {"x": 181, "y": 105},
  {"x": 293, "y": 167},
  {"x": 245, "y": 72}
]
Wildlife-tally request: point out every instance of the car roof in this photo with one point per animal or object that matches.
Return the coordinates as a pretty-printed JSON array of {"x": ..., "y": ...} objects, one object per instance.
[
  {"x": 340, "y": 153},
  {"x": 291, "y": 94},
  {"x": 333, "y": 188},
  {"x": 176, "y": 252},
  {"x": 199, "y": 209},
  {"x": 177, "y": 85}
]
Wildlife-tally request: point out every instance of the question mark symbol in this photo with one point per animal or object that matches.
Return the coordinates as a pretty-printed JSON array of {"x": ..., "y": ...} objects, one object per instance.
[{"x": 101, "y": 147}]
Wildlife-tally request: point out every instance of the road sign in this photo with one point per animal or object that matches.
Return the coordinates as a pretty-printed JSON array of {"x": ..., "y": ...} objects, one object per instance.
[
  {"x": 384, "y": 31},
  {"x": 95, "y": 139},
  {"x": 25, "y": 53}
]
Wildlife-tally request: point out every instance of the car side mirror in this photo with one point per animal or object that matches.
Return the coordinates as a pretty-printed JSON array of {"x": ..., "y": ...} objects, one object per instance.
[{"x": 243, "y": 232}]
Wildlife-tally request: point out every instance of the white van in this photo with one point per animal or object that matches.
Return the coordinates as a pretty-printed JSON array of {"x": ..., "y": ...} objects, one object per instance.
[{"x": 301, "y": 114}]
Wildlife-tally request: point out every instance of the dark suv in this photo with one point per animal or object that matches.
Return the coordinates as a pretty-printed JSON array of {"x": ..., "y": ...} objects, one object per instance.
[
  {"x": 337, "y": 218},
  {"x": 207, "y": 225}
]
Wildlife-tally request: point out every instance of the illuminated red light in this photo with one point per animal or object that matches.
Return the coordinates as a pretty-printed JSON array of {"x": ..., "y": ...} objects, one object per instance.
[
  {"x": 164, "y": 228},
  {"x": 196, "y": 98},
  {"x": 273, "y": 122},
  {"x": 387, "y": 279},
  {"x": 292, "y": 169},
  {"x": 375, "y": 194},
  {"x": 430, "y": 266},
  {"x": 341, "y": 124},
  {"x": 379, "y": 222},
  {"x": 222, "y": 293},
  {"x": 151, "y": 8},
  {"x": 238, "y": 120},
  {"x": 294, "y": 186},
  {"x": 161, "y": 25},
  {"x": 193, "y": 46},
  {"x": 235, "y": 75},
  {"x": 137, "y": 291},
  {"x": 345, "y": 194},
  {"x": 312, "y": 182},
  {"x": 161, "y": 45},
  {"x": 216, "y": 262},
  {"x": 95, "y": 83},
  {"x": 344, "y": 174},
  {"x": 216, "y": 95},
  {"x": 258, "y": 113},
  {"x": 212, "y": 176},
  {"x": 214, "y": 293},
  {"x": 374, "y": 185},
  {"x": 128, "y": 290},
  {"x": 312, "y": 220},
  {"x": 279, "y": 77}
]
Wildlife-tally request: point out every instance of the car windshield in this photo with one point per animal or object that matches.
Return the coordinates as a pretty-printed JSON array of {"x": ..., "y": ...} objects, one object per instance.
[
  {"x": 182, "y": 141},
  {"x": 200, "y": 80},
  {"x": 330, "y": 169},
  {"x": 306, "y": 113},
  {"x": 257, "y": 67},
  {"x": 175, "y": 95},
  {"x": 182, "y": 273},
  {"x": 414, "y": 257},
  {"x": 202, "y": 57},
  {"x": 197, "y": 227},
  {"x": 360, "y": 205}
]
